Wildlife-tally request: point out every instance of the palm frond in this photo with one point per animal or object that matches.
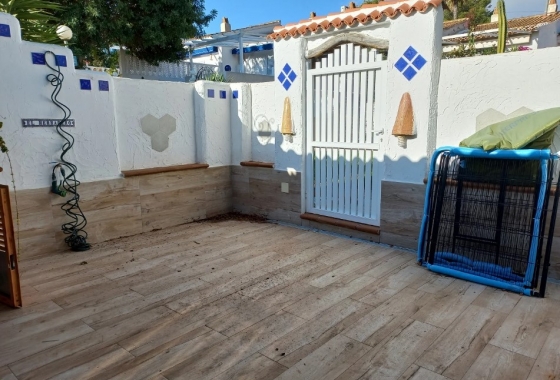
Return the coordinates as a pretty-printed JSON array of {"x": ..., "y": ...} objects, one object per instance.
[{"x": 36, "y": 18}]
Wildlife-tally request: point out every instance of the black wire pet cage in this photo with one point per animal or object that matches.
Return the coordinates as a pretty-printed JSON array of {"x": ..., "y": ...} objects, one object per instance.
[{"x": 487, "y": 217}]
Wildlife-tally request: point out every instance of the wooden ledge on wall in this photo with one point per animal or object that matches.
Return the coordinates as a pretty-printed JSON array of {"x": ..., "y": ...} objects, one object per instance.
[
  {"x": 165, "y": 169},
  {"x": 341, "y": 223},
  {"x": 257, "y": 164}
]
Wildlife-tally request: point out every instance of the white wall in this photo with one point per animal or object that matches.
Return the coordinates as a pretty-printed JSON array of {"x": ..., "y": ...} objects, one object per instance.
[
  {"x": 409, "y": 164},
  {"x": 212, "y": 121},
  {"x": 503, "y": 82},
  {"x": 290, "y": 150},
  {"x": 548, "y": 35},
  {"x": 25, "y": 93},
  {"x": 267, "y": 108},
  {"x": 135, "y": 100},
  {"x": 108, "y": 134},
  {"x": 241, "y": 120}
]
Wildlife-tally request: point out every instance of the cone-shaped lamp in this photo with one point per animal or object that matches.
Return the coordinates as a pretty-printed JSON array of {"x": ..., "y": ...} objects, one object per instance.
[
  {"x": 404, "y": 124},
  {"x": 287, "y": 126}
]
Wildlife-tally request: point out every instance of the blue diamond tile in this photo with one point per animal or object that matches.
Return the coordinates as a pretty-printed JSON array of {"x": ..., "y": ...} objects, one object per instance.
[
  {"x": 38, "y": 58},
  {"x": 282, "y": 77},
  {"x": 85, "y": 84},
  {"x": 61, "y": 60},
  {"x": 409, "y": 73},
  {"x": 401, "y": 64},
  {"x": 292, "y": 76},
  {"x": 419, "y": 62},
  {"x": 287, "y": 84},
  {"x": 103, "y": 85},
  {"x": 223, "y": 95},
  {"x": 410, "y": 53},
  {"x": 235, "y": 94},
  {"x": 287, "y": 68},
  {"x": 210, "y": 93},
  {"x": 5, "y": 30}
]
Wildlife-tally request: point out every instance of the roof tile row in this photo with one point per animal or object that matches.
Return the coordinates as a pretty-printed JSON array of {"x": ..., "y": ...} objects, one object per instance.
[{"x": 353, "y": 16}]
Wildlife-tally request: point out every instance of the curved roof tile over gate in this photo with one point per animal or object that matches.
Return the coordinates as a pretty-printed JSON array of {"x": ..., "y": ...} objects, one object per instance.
[{"x": 352, "y": 16}]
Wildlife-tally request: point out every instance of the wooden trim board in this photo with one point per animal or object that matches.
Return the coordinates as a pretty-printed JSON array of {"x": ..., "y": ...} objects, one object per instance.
[{"x": 165, "y": 169}]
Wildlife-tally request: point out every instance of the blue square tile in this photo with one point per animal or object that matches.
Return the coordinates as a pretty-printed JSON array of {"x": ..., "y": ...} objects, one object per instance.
[
  {"x": 61, "y": 60},
  {"x": 38, "y": 58},
  {"x": 210, "y": 93},
  {"x": 292, "y": 76},
  {"x": 282, "y": 77},
  {"x": 5, "y": 30},
  {"x": 409, "y": 73},
  {"x": 287, "y": 68},
  {"x": 287, "y": 84},
  {"x": 103, "y": 85},
  {"x": 85, "y": 84},
  {"x": 223, "y": 95},
  {"x": 235, "y": 94},
  {"x": 410, "y": 53},
  {"x": 401, "y": 64},
  {"x": 419, "y": 62}
]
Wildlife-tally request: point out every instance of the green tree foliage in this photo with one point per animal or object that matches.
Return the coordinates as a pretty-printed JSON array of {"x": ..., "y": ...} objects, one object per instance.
[
  {"x": 477, "y": 11},
  {"x": 36, "y": 18},
  {"x": 150, "y": 30}
]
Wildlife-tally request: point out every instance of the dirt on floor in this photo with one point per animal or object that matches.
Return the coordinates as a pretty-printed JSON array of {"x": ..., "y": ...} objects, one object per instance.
[{"x": 234, "y": 216}]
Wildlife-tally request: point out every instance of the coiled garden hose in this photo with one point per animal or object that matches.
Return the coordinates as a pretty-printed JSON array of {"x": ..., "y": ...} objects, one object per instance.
[{"x": 76, "y": 235}]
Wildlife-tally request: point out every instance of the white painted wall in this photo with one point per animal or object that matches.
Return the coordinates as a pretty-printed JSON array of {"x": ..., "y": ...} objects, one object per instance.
[
  {"x": 241, "y": 119},
  {"x": 504, "y": 82},
  {"x": 25, "y": 93},
  {"x": 409, "y": 164},
  {"x": 290, "y": 150},
  {"x": 548, "y": 35},
  {"x": 212, "y": 121},
  {"x": 136, "y": 99},
  {"x": 267, "y": 108}
]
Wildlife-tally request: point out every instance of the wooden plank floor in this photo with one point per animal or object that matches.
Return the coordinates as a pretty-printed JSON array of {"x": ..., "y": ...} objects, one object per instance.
[{"x": 241, "y": 300}]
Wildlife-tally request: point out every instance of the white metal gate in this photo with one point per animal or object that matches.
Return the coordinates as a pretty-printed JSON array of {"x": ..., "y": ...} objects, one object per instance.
[{"x": 343, "y": 128}]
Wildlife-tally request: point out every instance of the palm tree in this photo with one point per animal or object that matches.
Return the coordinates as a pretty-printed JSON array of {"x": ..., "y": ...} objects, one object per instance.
[
  {"x": 35, "y": 17},
  {"x": 453, "y": 6}
]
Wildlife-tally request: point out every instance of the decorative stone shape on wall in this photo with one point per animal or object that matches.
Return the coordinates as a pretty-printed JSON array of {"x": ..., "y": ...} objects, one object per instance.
[
  {"x": 158, "y": 130},
  {"x": 492, "y": 116}
]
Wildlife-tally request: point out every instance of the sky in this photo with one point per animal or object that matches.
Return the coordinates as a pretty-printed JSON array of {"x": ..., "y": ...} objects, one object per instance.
[{"x": 242, "y": 13}]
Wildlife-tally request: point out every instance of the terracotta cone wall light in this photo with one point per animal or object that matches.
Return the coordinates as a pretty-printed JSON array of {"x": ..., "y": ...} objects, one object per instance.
[
  {"x": 404, "y": 124},
  {"x": 287, "y": 126}
]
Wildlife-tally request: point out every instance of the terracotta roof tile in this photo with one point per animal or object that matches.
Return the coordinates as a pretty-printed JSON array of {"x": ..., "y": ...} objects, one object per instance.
[
  {"x": 528, "y": 24},
  {"x": 353, "y": 17},
  {"x": 452, "y": 23}
]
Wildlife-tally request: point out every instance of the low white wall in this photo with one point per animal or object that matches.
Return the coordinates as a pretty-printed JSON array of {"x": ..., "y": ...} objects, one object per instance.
[
  {"x": 267, "y": 117},
  {"x": 108, "y": 129},
  {"x": 139, "y": 98},
  {"x": 212, "y": 104},
  {"x": 469, "y": 87},
  {"x": 25, "y": 93}
]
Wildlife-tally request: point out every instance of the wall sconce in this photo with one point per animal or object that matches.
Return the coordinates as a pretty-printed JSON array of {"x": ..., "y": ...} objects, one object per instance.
[
  {"x": 404, "y": 124},
  {"x": 287, "y": 125}
]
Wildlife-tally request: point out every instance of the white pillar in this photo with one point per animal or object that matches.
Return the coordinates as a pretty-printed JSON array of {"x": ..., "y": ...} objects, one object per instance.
[{"x": 241, "y": 63}]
